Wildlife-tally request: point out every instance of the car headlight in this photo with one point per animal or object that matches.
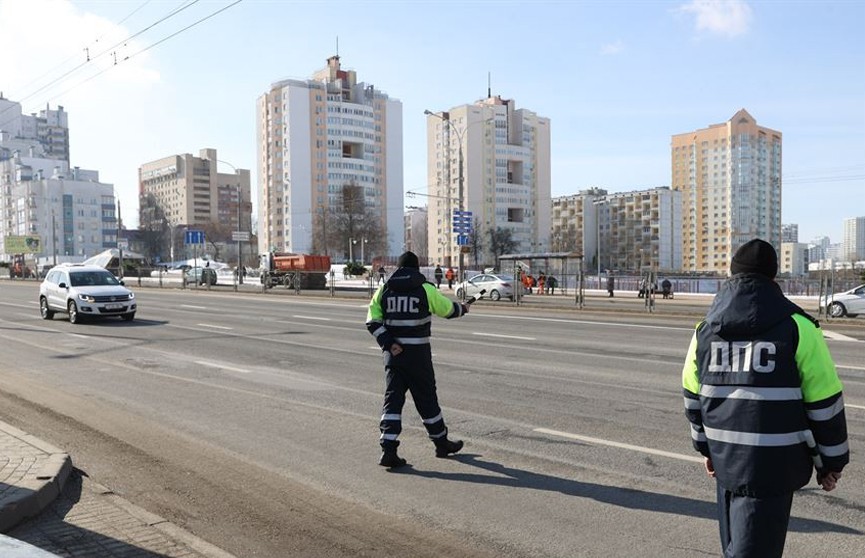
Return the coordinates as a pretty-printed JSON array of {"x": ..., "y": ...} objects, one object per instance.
[
  {"x": 131, "y": 295},
  {"x": 86, "y": 298}
]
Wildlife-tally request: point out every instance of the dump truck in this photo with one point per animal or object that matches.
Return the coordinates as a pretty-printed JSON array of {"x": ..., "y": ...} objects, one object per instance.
[{"x": 301, "y": 271}]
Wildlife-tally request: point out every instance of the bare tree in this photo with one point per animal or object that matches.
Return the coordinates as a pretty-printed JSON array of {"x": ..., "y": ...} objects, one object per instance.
[
  {"x": 335, "y": 227},
  {"x": 502, "y": 242}
]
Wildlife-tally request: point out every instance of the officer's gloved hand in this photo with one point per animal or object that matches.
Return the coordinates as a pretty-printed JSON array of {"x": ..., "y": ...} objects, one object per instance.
[{"x": 465, "y": 309}]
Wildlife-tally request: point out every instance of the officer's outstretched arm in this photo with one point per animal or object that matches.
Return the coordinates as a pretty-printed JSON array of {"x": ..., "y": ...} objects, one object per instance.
[{"x": 442, "y": 306}]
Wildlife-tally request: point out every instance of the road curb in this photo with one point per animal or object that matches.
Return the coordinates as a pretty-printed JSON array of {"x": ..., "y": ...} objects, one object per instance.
[{"x": 33, "y": 477}]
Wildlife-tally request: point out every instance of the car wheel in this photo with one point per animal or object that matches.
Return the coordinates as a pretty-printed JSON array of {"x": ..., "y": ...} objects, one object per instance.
[
  {"x": 460, "y": 294},
  {"x": 46, "y": 312},
  {"x": 74, "y": 318},
  {"x": 837, "y": 310},
  {"x": 128, "y": 317},
  {"x": 494, "y": 295}
]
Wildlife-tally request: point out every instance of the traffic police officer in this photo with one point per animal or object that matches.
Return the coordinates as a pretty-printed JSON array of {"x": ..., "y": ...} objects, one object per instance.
[
  {"x": 764, "y": 401},
  {"x": 399, "y": 317}
]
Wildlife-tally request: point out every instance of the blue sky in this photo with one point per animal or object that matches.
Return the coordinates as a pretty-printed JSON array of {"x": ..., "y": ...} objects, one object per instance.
[{"x": 616, "y": 79}]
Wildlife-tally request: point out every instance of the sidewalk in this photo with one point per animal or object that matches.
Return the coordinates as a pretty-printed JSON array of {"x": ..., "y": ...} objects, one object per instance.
[{"x": 47, "y": 508}]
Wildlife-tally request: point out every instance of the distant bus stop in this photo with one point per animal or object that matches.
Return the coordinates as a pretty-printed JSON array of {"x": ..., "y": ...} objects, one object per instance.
[{"x": 565, "y": 269}]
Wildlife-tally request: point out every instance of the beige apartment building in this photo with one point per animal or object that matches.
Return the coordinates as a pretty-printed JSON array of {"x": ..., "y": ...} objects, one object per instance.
[
  {"x": 641, "y": 230},
  {"x": 493, "y": 160},
  {"x": 575, "y": 225},
  {"x": 188, "y": 191},
  {"x": 729, "y": 175},
  {"x": 320, "y": 142}
]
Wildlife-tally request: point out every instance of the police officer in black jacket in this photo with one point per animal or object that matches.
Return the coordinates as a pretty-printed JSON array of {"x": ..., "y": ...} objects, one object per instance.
[
  {"x": 399, "y": 317},
  {"x": 764, "y": 402}
]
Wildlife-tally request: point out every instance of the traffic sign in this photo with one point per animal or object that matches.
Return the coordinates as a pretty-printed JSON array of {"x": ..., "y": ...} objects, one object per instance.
[
  {"x": 462, "y": 240},
  {"x": 194, "y": 237},
  {"x": 240, "y": 236}
]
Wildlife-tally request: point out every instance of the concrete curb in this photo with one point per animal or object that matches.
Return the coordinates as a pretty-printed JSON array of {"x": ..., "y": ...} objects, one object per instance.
[{"x": 35, "y": 482}]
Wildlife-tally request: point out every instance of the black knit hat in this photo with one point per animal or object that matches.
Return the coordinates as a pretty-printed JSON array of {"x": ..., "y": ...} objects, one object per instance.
[
  {"x": 408, "y": 259},
  {"x": 755, "y": 256}
]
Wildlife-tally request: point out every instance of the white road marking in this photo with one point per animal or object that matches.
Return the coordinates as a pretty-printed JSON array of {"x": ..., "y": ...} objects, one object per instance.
[
  {"x": 215, "y": 326},
  {"x": 191, "y": 306},
  {"x": 854, "y": 406},
  {"x": 504, "y": 336},
  {"x": 589, "y": 322},
  {"x": 610, "y": 443},
  {"x": 221, "y": 366},
  {"x": 835, "y": 336},
  {"x": 850, "y": 367},
  {"x": 311, "y": 318}
]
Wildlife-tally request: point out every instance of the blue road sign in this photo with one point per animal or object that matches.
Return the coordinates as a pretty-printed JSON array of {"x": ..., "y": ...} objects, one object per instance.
[
  {"x": 462, "y": 240},
  {"x": 194, "y": 237}
]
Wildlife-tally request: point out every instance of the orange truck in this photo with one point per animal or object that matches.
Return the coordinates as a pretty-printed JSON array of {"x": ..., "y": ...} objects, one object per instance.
[{"x": 305, "y": 271}]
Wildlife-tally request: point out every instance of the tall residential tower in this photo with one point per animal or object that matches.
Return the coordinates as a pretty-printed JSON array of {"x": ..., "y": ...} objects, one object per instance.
[
  {"x": 493, "y": 160},
  {"x": 730, "y": 178},
  {"x": 327, "y": 147}
]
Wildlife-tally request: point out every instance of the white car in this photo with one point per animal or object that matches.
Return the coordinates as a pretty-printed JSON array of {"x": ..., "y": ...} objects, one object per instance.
[
  {"x": 848, "y": 303},
  {"x": 85, "y": 291},
  {"x": 496, "y": 286}
]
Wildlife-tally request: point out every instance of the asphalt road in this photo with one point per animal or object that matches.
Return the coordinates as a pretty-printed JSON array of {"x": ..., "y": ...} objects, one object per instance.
[{"x": 252, "y": 421}]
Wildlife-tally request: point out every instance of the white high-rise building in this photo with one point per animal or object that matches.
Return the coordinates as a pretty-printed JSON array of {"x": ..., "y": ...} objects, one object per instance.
[
  {"x": 493, "y": 160},
  {"x": 320, "y": 142},
  {"x": 853, "y": 244},
  {"x": 65, "y": 209}
]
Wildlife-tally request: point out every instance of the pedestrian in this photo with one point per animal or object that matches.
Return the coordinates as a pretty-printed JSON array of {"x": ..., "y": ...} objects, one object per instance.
[
  {"x": 438, "y": 273},
  {"x": 450, "y": 275},
  {"x": 542, "y": 282},
  {"x": 552, "y": 282},
  {"x": 667, "y": 288},
  {"x": 399, "y": 319},
  {"x": 381, "y": 274},
  {"x": 764, "y": 401},
  {"x": 611, "y": 283}
]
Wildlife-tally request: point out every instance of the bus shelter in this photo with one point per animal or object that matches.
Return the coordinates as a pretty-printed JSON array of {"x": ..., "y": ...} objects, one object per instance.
[{"x": 563, "y": 271}]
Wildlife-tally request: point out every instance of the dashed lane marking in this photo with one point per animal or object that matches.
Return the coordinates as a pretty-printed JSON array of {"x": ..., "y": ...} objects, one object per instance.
[
  {"x": 835, "y": 336},
  {"x": 192, "y": 306},
  {"x": 221, "y": 366},
  {"x": 504, "y": 336},
  {"x": 612, "y": 444},
  {"x": 215, "y": 326},
  {"x": 311, "y": 318}
]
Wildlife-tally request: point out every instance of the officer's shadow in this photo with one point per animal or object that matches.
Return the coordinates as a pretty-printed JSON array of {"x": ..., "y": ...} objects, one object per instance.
[{"x": 624, "y": 497}]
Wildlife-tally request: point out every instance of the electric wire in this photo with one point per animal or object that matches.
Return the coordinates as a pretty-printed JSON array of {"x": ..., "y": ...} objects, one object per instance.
[{"x": 145, "y": 49}]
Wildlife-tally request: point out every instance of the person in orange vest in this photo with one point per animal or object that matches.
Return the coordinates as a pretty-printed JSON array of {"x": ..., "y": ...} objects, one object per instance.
[
  {"x": 542, "y": 279},
  {"x": 450, "y": 276}
]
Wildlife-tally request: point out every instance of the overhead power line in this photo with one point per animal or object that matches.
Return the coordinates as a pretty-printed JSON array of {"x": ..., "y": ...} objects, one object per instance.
[{"x": 145, "y": 49}]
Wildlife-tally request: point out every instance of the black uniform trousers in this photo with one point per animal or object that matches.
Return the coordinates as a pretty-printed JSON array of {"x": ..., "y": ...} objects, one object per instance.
[
  {"x": 753, "y": 527},
  {"x": 412, "y": 371}
]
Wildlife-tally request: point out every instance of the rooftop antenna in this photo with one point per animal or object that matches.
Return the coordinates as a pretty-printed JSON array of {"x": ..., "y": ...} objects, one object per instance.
[
  {"x": 337, "y": 46},
  {"x": 489, "y": 85}
]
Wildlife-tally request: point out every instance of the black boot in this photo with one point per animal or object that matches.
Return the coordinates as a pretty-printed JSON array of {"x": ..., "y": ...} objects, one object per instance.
[
  {"x": 445, "y": 447},
  {"x": 389, "y": 458}
]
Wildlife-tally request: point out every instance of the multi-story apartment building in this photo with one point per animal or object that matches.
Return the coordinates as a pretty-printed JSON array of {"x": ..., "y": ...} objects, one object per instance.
[
  {"x": 641, "y": 230},
  {"x": 853, "y": 244},
  {"x": 790, "y": 233},
  {"x": 319, "y": 140},
  {"x": 575, "y": 225},
  {"x": 50, "y": 128},
  {"x": 493, "y": 160},
  {"x": 416, "y": 231},
  {"x": 66, "y": 209},
  {"x": 793, "y": 259},
  {"x": 730, "y": 178},
  {"x": 186, "y": 191}
]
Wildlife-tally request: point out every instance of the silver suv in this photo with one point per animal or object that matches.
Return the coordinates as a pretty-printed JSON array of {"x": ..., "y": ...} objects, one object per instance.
[{"x": 84, "y": 291}]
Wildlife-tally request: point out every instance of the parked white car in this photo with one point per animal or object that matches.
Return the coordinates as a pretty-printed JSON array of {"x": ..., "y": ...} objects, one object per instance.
[
  {"x": 848, "y": 303},
  {"x": 85, "y": 291}
]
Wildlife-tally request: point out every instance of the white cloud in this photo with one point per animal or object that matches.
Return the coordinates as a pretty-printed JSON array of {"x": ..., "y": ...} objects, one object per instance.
[
  {"x": 613, "y": 48},
  {"x": 730, "y": 18}
]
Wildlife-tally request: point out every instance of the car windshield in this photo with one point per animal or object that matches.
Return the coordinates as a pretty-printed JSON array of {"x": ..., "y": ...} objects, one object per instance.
[{"x": 92, "y": 278}]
